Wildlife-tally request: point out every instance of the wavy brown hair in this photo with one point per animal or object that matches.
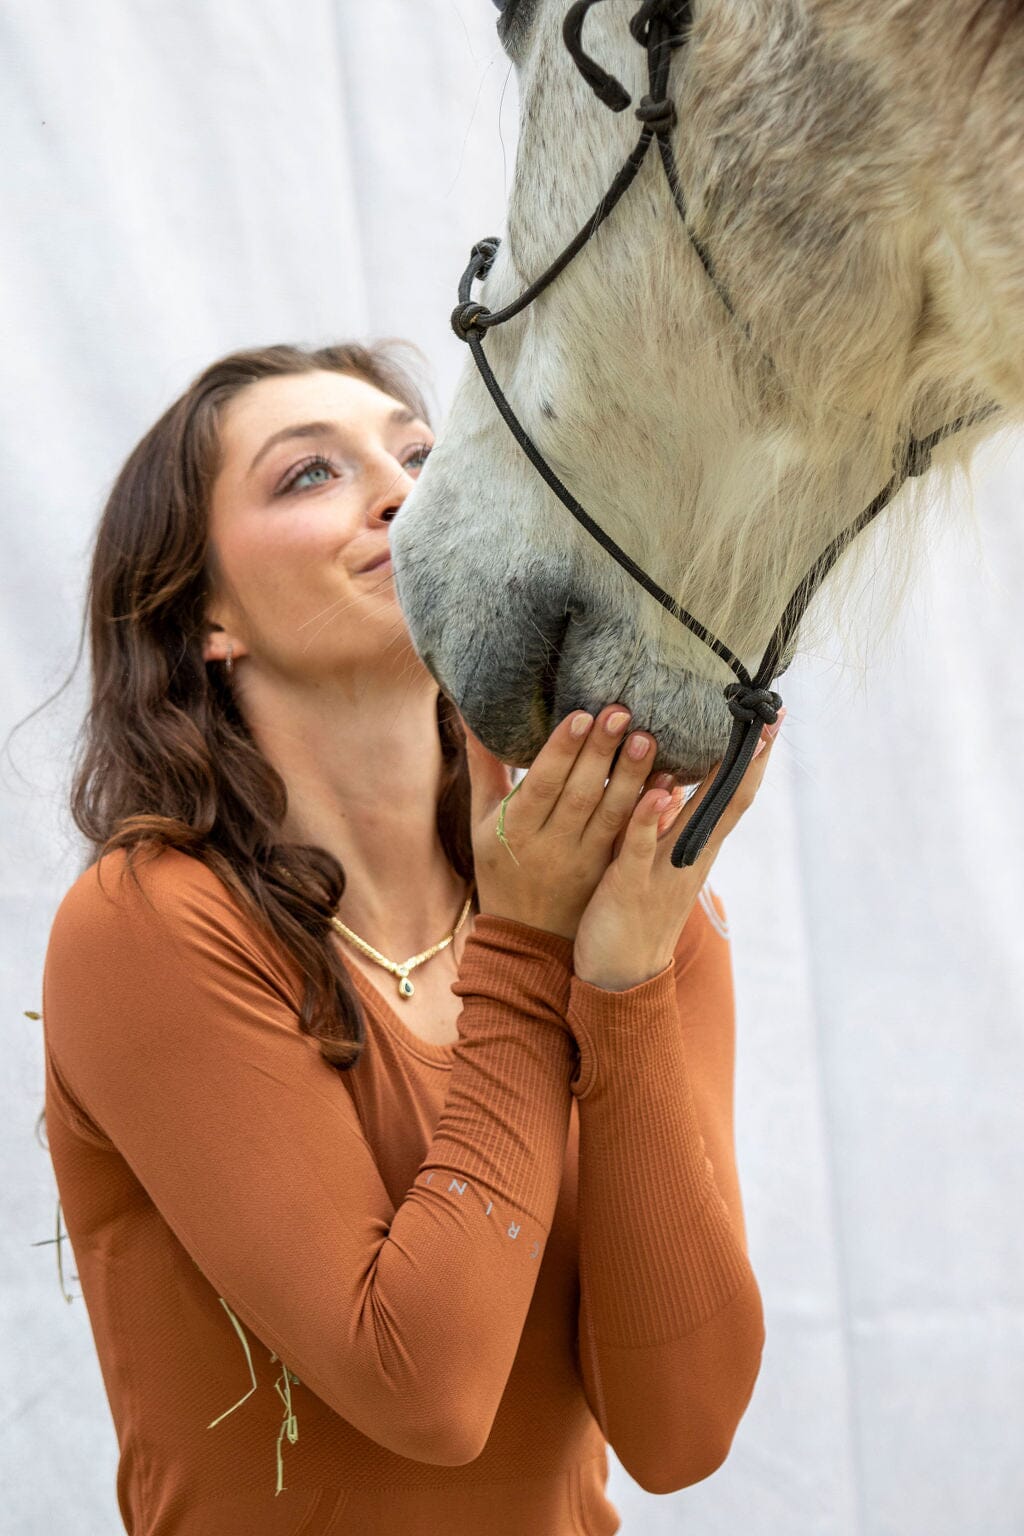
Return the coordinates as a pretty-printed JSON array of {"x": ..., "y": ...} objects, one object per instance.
[{"x": 166, "y": 759}]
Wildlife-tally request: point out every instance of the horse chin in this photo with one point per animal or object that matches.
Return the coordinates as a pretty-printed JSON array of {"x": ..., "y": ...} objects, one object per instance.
[{"x": 689, "y": 720}]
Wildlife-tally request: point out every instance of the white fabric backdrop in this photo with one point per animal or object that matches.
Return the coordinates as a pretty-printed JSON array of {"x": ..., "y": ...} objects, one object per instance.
[{"x": 181, "y": 180}]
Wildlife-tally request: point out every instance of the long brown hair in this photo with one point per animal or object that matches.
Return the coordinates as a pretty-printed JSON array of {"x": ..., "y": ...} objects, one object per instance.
[{"x": 166, "y": 759}]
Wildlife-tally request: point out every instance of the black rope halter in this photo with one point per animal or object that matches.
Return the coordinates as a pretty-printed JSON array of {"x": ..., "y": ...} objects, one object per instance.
[{"x": 660, "y": 27}]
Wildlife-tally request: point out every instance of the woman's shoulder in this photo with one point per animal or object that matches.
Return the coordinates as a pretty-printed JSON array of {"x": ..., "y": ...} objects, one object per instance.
[
  {"x": 158, "y": 888},
  {"x": 162, "y": 906}
]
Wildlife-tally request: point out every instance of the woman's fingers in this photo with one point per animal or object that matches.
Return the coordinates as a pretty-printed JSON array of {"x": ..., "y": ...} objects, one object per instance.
[
  {"x": 640, "y": 838},
  {"x": 665, "y": 781},
  {"x": 566, "y": 781},
  {"x": 598, "y": 797},
  {"x": 656, "y": 825},
  {"x": 627, "y": 781},
  {"x": 572, "y": 785},
  {"x": 546, "y": 777}
]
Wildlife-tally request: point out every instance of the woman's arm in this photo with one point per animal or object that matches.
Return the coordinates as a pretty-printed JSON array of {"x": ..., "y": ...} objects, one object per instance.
[
  {"x": 671, "y": 1326},
  {"x": 174, "y": 1028}
]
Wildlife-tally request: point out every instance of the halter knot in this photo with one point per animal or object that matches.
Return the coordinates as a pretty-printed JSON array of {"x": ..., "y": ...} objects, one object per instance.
[
  {"x": 466, "y": 318},
  {"x": 658, "y": 115},
  {"x": 749, "y": 704}
]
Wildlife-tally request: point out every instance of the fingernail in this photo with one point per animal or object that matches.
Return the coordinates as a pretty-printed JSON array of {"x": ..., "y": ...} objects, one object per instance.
[
  {"x": 615, "y": 722},
  {"x": 675, "y": 805},
  {"x": 580, "y": 724},
  {"x": 773, "y": 730}
]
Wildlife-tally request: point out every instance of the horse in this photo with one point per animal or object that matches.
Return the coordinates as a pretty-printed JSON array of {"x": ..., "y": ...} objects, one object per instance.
[{"x": 723, "y": 391}]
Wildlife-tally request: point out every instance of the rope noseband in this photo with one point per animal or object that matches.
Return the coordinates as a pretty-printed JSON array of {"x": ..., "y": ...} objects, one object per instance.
[{"x": 660, "y": 27}]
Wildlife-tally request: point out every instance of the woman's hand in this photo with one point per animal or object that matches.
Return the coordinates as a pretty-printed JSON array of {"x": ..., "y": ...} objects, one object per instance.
[
  {"x": 560, "y": 823},
  {"x": 631, "y": 925}
]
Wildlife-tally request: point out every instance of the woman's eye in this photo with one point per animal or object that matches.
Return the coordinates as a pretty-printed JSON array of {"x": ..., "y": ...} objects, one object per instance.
[
  {"x": 318, "y": 469},
  {"x": 316, "y": 474}
]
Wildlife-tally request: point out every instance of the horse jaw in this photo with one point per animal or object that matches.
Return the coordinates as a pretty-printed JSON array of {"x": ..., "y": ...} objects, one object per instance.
[{"x": 722, "y": 465}]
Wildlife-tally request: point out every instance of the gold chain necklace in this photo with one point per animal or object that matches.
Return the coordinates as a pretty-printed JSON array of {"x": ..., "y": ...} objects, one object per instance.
[{"x": 405, "y": 986}]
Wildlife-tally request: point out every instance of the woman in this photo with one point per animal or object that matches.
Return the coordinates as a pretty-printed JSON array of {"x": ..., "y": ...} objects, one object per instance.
[{"x": 428, "y": 1130}]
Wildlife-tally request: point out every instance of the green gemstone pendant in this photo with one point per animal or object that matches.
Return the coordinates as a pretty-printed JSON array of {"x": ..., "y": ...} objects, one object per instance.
[{"x": 405, "y": 986}]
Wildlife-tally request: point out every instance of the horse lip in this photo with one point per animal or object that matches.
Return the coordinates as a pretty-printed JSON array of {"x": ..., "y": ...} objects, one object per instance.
[{"x": 549, "y": 671}]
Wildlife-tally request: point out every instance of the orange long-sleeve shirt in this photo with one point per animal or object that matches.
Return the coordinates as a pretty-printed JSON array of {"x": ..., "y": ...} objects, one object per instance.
[{"x": 453, "y": 1271}]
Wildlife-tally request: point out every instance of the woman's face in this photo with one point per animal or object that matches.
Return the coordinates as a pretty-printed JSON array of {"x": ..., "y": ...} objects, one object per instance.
[{"x": 313, "y": 468}]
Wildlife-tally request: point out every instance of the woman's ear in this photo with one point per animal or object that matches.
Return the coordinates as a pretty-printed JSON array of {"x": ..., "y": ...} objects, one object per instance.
[{"x": 217, "y": 641}]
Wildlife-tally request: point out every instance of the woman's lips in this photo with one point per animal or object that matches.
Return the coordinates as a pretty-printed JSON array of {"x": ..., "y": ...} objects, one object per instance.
[{"x": 377, "y": 564}]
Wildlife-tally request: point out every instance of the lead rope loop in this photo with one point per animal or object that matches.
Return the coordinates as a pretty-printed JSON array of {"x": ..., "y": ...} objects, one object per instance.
[{"x": 609, "y": 91}]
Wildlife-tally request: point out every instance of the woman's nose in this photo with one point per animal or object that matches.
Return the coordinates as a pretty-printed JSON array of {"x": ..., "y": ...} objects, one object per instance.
[{"x": 395, "y": 485}]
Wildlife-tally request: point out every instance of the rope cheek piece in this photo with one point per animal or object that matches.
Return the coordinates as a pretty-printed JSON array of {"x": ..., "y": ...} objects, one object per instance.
[{"x": 660, "y": 27}]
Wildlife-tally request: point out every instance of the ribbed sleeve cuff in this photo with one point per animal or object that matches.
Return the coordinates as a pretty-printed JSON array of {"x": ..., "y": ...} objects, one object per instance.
[
  {"x": 526, "y": 968},
  {"x": 624, "y": 1024}
]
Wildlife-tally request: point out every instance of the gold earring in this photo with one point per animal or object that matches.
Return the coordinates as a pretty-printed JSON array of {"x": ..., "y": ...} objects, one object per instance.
[{"x": 229, "y": 663}]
